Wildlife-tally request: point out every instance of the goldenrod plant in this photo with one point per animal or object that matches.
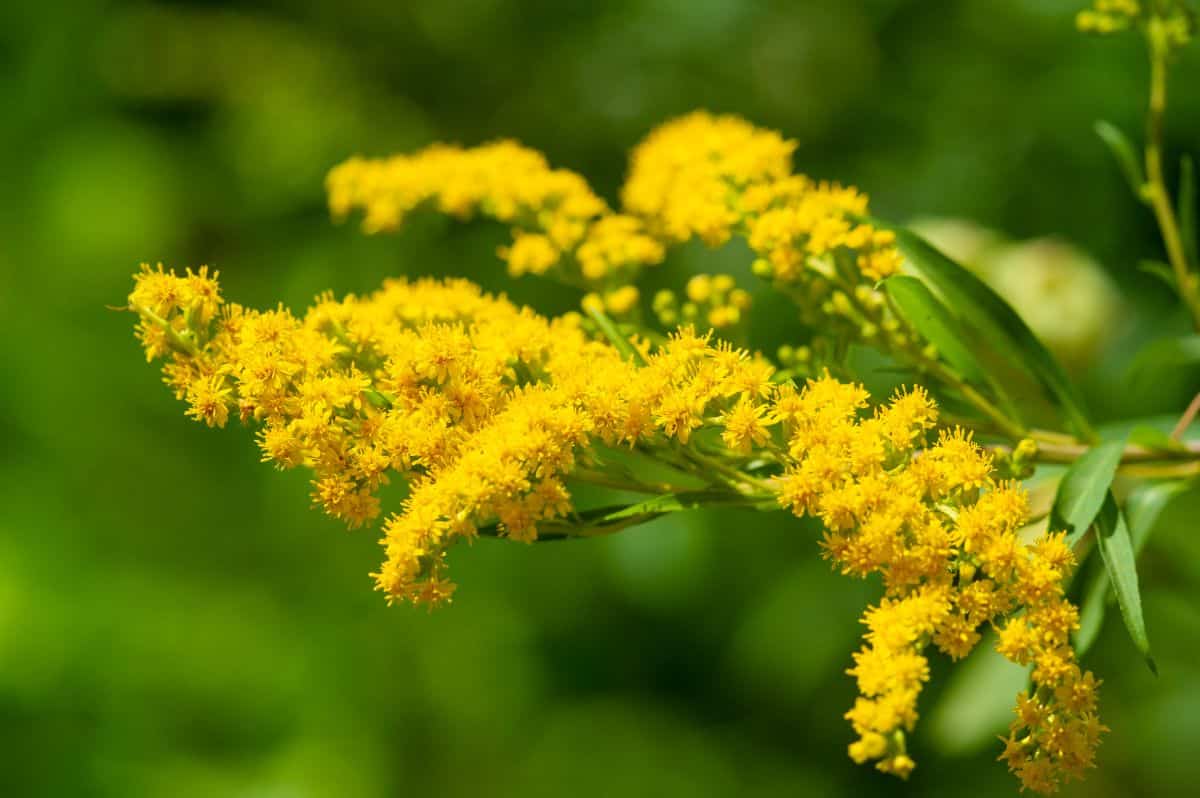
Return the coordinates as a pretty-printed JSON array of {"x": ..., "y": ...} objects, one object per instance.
[{"x": 491, "y": 414}]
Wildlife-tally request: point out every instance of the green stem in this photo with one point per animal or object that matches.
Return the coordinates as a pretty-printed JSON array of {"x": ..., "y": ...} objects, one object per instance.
[
  {"x": 604, "y": 480},
  {"x": 1008, "y": 426},
  {"x": 1064, "y": 454},
  {"x": 735, "y": 478},
  {"x": 177, "y": 340},
  {"x": 913, "y": 353},
  {"x": 1156, "y": 193}
]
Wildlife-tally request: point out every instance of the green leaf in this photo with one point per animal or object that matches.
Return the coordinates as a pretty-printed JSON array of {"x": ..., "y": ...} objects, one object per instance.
[
  {"x": 675, "y": 502},
  {"x": 1186, "y": 210},
  {"x": 984, "y": 310},
  {"x": 1155, "y": 439},
  {"x": 1143, "y": 510},
  {"x": 977, "y": 703},
  {"x": 614, "y": 335},
  {"x": 1118, "y": 143},
  {"x": 1120, "y": 561},
  {"x": 589, "y": 523},
  {"x": 917, "y": 305},
  {"x": 1161, "y": 355},
  {"x": 1160, "y": 270},
  {"x": 1146, "y": 506},
  {"x": 605, "y": 520},
  {"x": 1083, "y": 487}
]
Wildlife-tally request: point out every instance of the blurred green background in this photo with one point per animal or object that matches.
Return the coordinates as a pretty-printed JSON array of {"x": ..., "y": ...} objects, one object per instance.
[{"x": 175, "y": 620}]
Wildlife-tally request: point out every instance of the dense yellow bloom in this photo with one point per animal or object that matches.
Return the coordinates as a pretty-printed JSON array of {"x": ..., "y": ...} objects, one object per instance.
[
  {"x": 713, "y": 176},
  {"x": 483, "y": 407},
  {"x": 559, "y": 224},
  {"x": 796, "y": 221},
  {"x": 488, "y": 411},
  {"x": 716, "y": 177},
  {"x": 943, "y": 535},
  {"x": 702, "y": 175},
  {"x": 687, "y": 176}
]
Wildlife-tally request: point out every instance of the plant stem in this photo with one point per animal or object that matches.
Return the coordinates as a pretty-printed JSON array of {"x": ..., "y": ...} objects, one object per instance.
[
  {"x": 1156, "y": 193},
  {"x": 1063, "y": 453},
  {"x": 176, "y": 339},
  {"x": 1008, "y": 426},
  {"x": 733, "y": 477},
  {"x": 1187, "y": 418},
  {"x": 603, "y": 480},
  {"x": 913, "y": 353}
]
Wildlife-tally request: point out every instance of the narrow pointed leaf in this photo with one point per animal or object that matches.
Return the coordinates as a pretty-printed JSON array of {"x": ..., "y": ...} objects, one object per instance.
[
  {"x": 612, "y": 518},
  {"x": 1142, "y": 509},
  {"x": 675, "y": 502},
  {"x": 987, "y": 313},
  {"x": 1163, "y": 355},
  {"x": 917, "y": 305},
  {"x": 1155, "y": 439},
  {"x": 1083, "y": 487},
  {"x": 1160, "y": 270},
  {"x": 1120, "y": 561},
  {"x": 614, "y": 335},
  {"x": 1121, "y": 148}
]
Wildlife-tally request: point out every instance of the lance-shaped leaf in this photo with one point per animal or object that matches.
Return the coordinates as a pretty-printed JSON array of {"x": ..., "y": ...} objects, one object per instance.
[
  {"x": 1155, "y": 439},
  {"x": 597, "y": 521},
  {"x": 1083, "y": 487},
  {"x": 1120, "y": 562},
  {"x": 675, "y": 502},
  {"x": 917, "y": 305},
  {"x": 1163, "y": 355},
  {"x": 614, "y": 336},
  {"x": 1160, "y": 270},
  {"x": 1143, "y": 509},
  {"x": 1118, "y": 143},
  {"x": 982, "y": 309}
]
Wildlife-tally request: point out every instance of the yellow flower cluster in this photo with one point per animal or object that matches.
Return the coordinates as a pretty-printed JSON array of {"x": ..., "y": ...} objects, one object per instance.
[
  {"x": 487, "y": 410},
  {"x": 687, "y": 177},
  {"x": 702, "y": 175},
  {"x": 712, "y": 176},
  {"x": 559, "y": 224},
  {"x": 482, "y": 406},
  {"x": 396, "y": 381},
  {"x": 943, "y": 535},
  {"x": 797, "y": 224},
  {"x": 1108, "y": 16},
  {"x": 1169, "y": 23},
  {"x": 512, "y": 469}
]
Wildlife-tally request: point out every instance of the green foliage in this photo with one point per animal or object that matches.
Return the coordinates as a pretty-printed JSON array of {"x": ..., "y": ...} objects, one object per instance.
[
  {"x": 1143, "y": 509},
  {"x": 1124, "y": 153},
  {"x": 998, "y": 324},
  {"x": 1120, "y": 562},
  {"x": 1082, "y": 491},
  {"x": 921, "y": 309},
  {"x": 1162, "y": 357}
]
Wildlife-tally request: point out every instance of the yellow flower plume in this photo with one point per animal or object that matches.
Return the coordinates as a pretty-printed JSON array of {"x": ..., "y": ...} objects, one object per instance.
[{"x": 488, "y": 410}]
